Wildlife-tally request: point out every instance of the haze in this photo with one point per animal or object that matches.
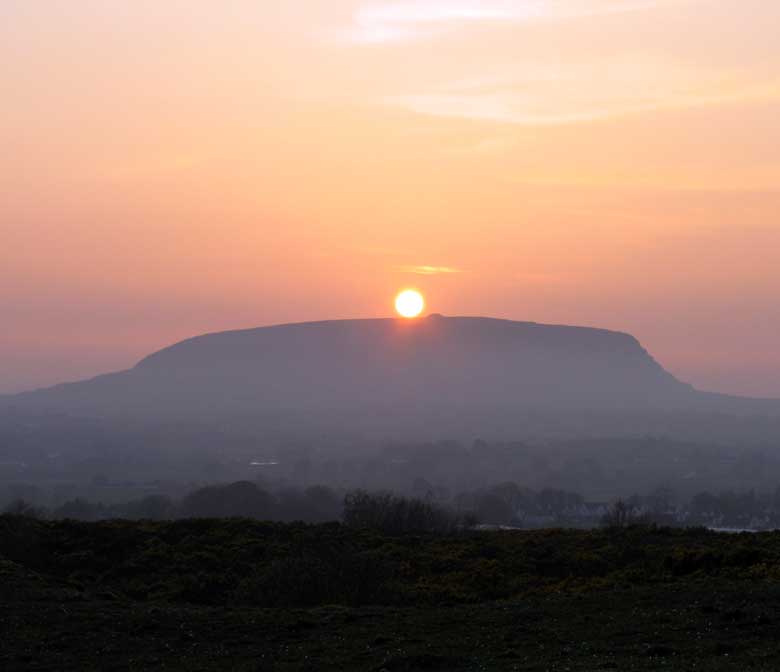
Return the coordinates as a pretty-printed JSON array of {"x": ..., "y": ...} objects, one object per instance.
[{"x": 169, "y": 169}]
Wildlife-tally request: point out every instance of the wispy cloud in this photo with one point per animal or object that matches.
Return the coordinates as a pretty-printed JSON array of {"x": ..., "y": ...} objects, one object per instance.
[
  {"x": 429, "y": 270},
  {"x": 570, "y": 93},
  {"x": 399, "y": 21},
  {"x": 486, "y": 147}
]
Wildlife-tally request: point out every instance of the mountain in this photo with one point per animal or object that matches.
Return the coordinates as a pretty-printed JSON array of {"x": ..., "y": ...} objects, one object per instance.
[{"x": 368, "y": 366}]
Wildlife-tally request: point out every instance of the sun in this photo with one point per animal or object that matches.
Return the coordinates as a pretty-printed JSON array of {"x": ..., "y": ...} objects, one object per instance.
[{"x": 409, "y": 303}]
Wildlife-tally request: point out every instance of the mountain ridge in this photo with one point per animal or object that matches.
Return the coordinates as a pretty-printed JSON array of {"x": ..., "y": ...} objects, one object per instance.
[
  {"x": 469, "y": 362},
  {"x": 612, "y": 334}
]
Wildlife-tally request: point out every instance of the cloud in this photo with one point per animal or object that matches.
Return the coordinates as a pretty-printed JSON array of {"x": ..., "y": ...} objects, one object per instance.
[
  {"x": 400, "y": 21},
  {"x": 429, "y": 270},
  {"x": 571, "y": 93},
  {"x": 486, "y": 147}
]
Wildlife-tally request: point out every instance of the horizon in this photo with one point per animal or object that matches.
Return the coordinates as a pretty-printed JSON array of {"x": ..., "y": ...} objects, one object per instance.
[{"x": 180, "y": 168}]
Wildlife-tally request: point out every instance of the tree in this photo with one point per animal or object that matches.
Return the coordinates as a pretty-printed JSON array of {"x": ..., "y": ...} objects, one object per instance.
[
  {"x": 241, "y": 499},
  {"x": 153, "y": 507},
  {"x": 80, "y": 509},
  {"x": 20, "y": 507},
  {"x": 396, "y": 515},
  {"x": 323, "y": 504},
  {"x": 493, "y": 509},
  {"x": 622, "y": 514}
]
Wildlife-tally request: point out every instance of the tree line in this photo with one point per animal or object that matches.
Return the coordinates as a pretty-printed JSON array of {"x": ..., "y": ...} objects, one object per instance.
[{"x": 505, "y": 504}]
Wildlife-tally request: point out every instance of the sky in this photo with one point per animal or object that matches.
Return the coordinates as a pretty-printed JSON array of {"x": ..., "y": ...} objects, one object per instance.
[{"x": 180, "y": 167}]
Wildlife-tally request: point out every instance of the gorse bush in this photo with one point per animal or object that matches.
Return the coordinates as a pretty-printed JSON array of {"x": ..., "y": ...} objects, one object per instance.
[{"x": 240, "y": 561}]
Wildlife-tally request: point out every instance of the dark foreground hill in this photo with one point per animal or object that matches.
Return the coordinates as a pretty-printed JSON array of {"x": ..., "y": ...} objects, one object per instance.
[
  {"x": 436, "y": 362},
  {"x": 244, "y": 595}
]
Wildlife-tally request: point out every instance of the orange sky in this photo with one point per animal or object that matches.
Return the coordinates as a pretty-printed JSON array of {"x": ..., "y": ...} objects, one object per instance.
[{"x": 169, "y": 168}]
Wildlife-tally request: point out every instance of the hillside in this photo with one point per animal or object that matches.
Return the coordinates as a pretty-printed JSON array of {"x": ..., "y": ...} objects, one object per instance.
[{"x": 432, "y": 363}]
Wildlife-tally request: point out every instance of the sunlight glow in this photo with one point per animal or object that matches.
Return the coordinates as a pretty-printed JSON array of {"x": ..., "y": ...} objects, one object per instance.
[{"x": 409, "y": 303}]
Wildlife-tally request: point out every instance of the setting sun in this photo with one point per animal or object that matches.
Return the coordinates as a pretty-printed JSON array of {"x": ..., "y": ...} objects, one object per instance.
[{"x": 409, "y": 303}]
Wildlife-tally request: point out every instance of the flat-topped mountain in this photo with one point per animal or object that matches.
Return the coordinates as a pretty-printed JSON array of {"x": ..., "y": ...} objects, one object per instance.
[{"x": 348, "y": 365}]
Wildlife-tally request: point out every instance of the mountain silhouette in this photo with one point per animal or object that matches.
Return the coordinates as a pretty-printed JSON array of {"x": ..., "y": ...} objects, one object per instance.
[{"x": 433, "y": 362}]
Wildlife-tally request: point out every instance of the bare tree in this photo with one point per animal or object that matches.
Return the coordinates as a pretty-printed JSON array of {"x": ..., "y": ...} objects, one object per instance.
[{"x": 622, "y": 514}]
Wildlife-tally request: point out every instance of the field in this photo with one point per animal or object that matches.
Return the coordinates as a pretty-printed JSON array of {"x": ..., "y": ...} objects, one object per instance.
[{"x": 244, "y": 595}]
